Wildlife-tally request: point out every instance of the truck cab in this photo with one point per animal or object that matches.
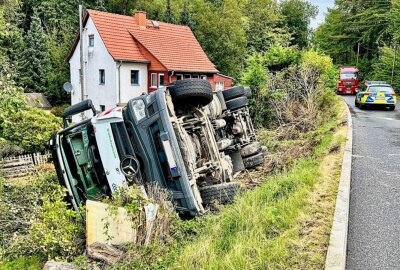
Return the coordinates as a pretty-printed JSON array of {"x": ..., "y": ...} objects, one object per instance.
[{"x": 348, "y": 83}]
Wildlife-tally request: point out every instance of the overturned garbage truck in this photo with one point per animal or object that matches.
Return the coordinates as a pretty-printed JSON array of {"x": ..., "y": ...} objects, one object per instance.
[{"x": 186, "y": 138}]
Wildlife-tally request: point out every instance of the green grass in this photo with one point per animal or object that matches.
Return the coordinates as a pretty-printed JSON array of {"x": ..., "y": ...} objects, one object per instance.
[
  {"x": 26, "y": 263},
  {"x": 265, "y": 228}
]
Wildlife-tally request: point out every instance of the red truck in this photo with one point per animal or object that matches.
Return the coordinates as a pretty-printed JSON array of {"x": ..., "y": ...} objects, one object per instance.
[{"x": 348, "y": 81}]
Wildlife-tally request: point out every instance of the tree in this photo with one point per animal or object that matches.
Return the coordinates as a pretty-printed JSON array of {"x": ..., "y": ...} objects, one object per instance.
[
  {"x": 264, "y": 25},
  {"x": 58, "y": 44},
  {"x": 11, "y": 96},
  {"x": 11, "y": 40},
  {"x": 354, "y": 28},
  {"x": 169, "y": 17},
  {"x": 383, "y": 66},
  {"x": 34, "y": 64},
  {"x": 186, "y": 16},
  {"x": 220, "y": 31},
  {"x": 298, "y": 14}
]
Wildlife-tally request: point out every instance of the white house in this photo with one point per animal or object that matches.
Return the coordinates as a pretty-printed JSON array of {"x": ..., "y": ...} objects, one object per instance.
[{"x": 125, "y": 56}]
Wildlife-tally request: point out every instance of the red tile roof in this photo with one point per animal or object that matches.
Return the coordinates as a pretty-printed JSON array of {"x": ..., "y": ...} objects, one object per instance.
[
  {"x": 113, "y": 29},
  {"x": 174, "y": 46}
]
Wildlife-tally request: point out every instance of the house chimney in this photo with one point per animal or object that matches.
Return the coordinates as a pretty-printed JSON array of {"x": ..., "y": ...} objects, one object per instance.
[{"x": 140, "y": 18}]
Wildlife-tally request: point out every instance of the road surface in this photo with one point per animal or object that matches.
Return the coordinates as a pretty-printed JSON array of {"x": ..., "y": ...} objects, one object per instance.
[{"x": 374, "y": 222}]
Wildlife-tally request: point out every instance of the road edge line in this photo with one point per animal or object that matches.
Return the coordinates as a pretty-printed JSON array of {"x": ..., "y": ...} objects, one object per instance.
[{"x": 337, "y": 250}]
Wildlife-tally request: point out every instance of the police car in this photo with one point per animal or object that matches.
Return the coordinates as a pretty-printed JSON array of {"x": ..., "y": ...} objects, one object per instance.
[{"x": 376, "y": 93}]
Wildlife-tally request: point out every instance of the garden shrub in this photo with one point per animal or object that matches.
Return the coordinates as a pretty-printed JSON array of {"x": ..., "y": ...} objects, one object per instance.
[
  {"x": 20, "y": 125},
  {"x": 295, "y": 96},
  {"x": 35, "y": 220},
  {"x": 8, "y": 149},
  {"x": 30, "y": 128},
  {"x": 59, "y": 110}
]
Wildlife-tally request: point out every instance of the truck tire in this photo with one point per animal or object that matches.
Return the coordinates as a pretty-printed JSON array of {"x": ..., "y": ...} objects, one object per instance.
[
  {"x": 237, "y": 103},
  {"x": 253, "y": 161},
  {"x": 196, "y": 92},
  {"x": 221, "y": 193},
  {"x": 233, "y": 92},
  {"x": 250, "y": 149}
]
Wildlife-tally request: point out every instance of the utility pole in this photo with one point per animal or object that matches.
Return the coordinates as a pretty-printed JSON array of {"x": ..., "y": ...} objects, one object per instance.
[
  {"x": 394, "y": 62},
  {"x": 358, "y": 53},
  {"x": 82, "y": 63}
]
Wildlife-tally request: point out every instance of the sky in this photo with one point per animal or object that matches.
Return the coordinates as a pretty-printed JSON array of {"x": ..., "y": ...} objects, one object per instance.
[{"x": 322, "y": 5}]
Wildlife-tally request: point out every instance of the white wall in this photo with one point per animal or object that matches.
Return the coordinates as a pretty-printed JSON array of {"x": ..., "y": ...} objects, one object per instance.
[
  {"x": 129, "y": 91},
  {"x": 99, "y": 59}
]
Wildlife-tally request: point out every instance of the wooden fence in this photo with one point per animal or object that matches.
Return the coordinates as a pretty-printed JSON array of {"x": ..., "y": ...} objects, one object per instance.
[{"x": 22, "y": 165}]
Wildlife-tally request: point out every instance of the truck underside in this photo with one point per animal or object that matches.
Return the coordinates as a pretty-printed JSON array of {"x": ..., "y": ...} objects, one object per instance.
[{"x": 170, "y": 137}]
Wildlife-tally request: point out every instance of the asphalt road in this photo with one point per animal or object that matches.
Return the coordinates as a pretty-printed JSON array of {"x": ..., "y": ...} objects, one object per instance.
[{"x": 374, "y": 222}]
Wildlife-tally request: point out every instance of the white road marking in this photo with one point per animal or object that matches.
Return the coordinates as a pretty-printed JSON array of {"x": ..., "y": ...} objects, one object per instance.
[{"x": 387, "y": 118}]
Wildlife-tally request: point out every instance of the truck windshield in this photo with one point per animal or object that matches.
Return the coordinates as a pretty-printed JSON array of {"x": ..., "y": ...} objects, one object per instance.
[{"x": 348, "y": 76}]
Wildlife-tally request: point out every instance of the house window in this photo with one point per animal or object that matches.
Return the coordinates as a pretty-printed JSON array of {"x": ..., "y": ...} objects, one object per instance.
[
  {"x": 179, "y": 77},
  {"x": 154, "y": 80},
  {"x": 161, "y": 79},
  {"x": 204, "y": 77},
  {"x": 219, "y": 86},
  {"x": 102, "y": 108},
  {"x": 134, "y": 77},
  {"x": 195, "y": 76},
  {"x": 91, "y": 40},
  {"x": 187, "y": 76},
  {"x": 102, "y": 76}
]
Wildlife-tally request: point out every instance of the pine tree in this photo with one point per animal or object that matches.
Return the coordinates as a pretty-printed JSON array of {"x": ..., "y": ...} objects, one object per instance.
[
  {"x": 34, "y": 64},
  {"x": 186, "y": 17},
  {"x": 169, "y": 18}
]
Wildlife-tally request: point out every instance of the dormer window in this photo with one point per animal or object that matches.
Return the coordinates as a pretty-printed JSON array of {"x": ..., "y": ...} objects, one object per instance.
[{"x": 91, "y": 40}]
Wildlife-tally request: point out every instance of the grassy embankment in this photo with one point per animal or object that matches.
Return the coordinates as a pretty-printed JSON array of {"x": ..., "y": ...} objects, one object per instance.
[{"x": 282, "y": 224}]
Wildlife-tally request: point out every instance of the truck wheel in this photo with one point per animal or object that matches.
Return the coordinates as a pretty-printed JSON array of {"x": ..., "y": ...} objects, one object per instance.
[
  {"x": 253, "y": 161},
  {"x": 237, "y": 103},
  {"x": 250, "y": 149},
  {"x": 356, "y": 103},
  {"x": 191, "y": 91},
  {"x": 221, "y": 193},
  {"x": 233, "y": 92}
]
